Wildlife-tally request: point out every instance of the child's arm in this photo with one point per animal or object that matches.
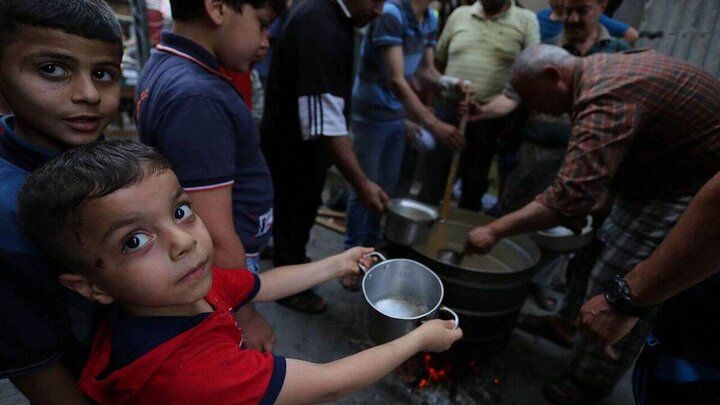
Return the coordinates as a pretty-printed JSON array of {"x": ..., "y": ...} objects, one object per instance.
[
  {"x": 288, "y": 280},
  {"x": 311, "y": 383}
]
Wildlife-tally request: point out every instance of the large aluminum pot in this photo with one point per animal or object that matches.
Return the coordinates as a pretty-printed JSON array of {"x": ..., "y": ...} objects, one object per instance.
[
  {"x": 402, "y": 293},
  {"x": 409, "y": 221}
]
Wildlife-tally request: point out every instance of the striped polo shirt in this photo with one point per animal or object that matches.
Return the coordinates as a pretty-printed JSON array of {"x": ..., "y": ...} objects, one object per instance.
[
  {"x": 483, "y": 50},
  {"x": 397, "y": 26}
]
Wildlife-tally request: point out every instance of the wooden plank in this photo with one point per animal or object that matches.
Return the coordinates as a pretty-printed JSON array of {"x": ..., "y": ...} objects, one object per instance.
[
  {"x": 334, "y": 224},
  {"x": 327, "y": 212}
]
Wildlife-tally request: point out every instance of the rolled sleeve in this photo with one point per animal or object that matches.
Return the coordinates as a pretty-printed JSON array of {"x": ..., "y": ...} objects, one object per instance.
[{"x": 602, "y": 134}]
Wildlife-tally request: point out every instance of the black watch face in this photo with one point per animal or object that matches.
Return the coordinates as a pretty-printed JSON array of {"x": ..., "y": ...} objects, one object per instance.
[{"x": 612, "y": 296}]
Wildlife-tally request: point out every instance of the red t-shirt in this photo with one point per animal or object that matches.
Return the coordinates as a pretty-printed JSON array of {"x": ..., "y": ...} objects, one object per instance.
[{"x": 204, "y": 364}]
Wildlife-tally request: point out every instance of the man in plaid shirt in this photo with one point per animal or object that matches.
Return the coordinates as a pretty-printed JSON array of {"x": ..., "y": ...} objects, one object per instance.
[{"x": 645, "y": 127}]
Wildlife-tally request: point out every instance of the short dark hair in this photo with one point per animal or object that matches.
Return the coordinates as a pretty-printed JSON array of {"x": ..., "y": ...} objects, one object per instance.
[
  {"x": 52, "y": 197},
  {"x": 188, "y": 10},
  {"x": 92, "y": 19}
]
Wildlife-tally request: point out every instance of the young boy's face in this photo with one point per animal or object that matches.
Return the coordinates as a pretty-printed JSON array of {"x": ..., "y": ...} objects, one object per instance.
[
  {"x": 244, "y": 38},
  {"x": 62, "y": 88},
  {"x": 144, "y": 246}
]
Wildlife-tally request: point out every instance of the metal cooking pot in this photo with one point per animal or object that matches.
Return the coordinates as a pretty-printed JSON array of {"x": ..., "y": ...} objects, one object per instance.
[
  {"x": 402, "y": 293},
  {"x": 409, "y": 221},
  {"x": 486, "y": 291},
  {"x": 562, "y": 240}
]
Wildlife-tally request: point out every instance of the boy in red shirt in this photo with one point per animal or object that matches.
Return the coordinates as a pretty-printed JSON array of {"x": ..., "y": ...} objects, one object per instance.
[{"x": 115, "y": 216}]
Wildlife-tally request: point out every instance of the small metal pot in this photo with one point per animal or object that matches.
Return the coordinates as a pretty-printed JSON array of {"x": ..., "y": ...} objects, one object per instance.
[
  {"x": 409, "y": 221},
  {"x": 562, "y": 240},
  {"x": 402, "y": 293}
]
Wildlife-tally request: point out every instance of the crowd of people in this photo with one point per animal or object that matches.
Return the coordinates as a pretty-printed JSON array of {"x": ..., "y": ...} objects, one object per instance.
[{"x": 129, "y": 269}]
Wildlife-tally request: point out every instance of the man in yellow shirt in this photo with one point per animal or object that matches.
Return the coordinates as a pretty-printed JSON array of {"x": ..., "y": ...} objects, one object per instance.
[{"x": 479, "y": 43}]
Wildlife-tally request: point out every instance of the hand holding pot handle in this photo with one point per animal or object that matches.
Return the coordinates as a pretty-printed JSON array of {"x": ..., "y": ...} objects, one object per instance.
[
  {"x": 378, "y": 255},
  {"x": 455, "y": 316},
  {"x": 437, "y": 335}
]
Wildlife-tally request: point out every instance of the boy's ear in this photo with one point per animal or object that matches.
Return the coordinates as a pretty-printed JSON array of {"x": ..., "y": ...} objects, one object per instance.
[
  {"x": 216, "y": 10},
  {"x": 84, "y": 287}
]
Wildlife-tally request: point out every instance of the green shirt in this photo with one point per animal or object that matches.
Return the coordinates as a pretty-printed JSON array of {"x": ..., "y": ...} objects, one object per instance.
[{"x": 483, "y": 50}]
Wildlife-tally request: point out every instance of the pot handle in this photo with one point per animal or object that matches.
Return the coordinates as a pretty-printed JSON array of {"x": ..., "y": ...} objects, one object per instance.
[
  {"x": 455, "y": 316},
  {"x": 376, "y": 254}
]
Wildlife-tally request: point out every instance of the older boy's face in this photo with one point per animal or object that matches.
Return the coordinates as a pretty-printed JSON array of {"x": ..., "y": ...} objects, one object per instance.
[
  {"x": 245, "y": 38},
  {"x": 145, "y": 247},
  {"x": 62, "y": 88}
]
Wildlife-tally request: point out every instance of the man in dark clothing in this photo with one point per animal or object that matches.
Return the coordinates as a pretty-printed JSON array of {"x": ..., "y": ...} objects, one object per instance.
[{"x": 304, "y": 126}]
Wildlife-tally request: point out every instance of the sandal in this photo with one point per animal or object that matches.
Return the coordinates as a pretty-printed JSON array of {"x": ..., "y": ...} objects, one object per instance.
[
  {"x": 350, "y": 282},
  {"x": 570, "y": 390},
  {"x": 307, "y": 302},
  {"x": 547, "y": 327}
]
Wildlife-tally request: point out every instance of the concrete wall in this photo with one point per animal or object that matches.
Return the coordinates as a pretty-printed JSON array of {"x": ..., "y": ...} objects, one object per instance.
[{"x": 690, "y": 28}]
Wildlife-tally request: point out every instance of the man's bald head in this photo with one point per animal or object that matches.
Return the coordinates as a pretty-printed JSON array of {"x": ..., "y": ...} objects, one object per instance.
[
  {"x": 532, "y": 61},
  {"x": 542, "y": 75}
]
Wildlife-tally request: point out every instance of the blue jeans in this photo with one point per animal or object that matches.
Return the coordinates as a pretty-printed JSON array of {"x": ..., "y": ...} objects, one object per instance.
[
  {"x": 379, "y": 147},
  {"x": 253, "y": 262}
]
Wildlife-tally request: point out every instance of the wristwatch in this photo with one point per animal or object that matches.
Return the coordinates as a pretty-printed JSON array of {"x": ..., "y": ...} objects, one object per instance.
[{"x": 617, "y": 294}]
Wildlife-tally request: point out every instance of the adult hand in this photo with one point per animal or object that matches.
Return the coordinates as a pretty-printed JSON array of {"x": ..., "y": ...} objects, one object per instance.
[
  {"x": 373, "y": 196},
  {"x": 411, "y": 131},
  {"x": 257, "y": 332},
  {"x": 448, "y": 135},
  {"x": 473, "y": 109},
  {"x": 603, "y": 325},
  {"x": 480, "y": 240},
  {"x": 466, "y": 87}
]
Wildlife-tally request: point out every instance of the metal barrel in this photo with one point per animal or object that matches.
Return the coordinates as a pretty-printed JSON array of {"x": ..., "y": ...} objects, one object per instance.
[{"x": 487, "y": 292}]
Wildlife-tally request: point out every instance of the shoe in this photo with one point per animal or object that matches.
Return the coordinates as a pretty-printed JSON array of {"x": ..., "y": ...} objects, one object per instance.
[
  {"x": 548, "y": 327},
  {"x": 570, "y": 390},
  {"x": 306, "y": 302}
]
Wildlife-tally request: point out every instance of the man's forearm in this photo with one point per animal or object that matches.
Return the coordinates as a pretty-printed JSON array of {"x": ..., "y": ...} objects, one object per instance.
[
  {"x": 689, "y": 254},
  {"x": 417, "y": 111},
  {"x": 344, "y": 158},
  {"x": 500, "y": 106},
  {"x": 532, "y": 217},
  {"x": 429, "y": 77}
]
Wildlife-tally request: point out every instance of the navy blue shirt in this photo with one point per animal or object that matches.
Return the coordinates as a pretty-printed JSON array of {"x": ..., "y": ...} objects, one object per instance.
[
  {"x": 396, "y": 26},
  {"x": 313, "y": 57},
  {"x": 195, "y": 117},
  {"x": 35, "y": 309}
]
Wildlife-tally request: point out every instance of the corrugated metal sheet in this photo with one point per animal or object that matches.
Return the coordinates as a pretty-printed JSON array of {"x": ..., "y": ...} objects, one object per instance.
[{"x": 690, "y": 30}]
